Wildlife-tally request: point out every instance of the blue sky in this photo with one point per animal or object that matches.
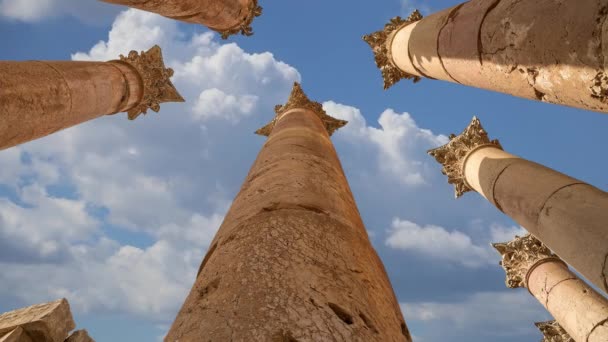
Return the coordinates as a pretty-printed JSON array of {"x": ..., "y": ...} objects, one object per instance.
[{"x": 116, "y": 215}]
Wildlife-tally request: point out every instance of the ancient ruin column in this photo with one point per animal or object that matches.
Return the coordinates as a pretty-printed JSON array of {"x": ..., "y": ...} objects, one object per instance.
[
  {"x": 224, "y": 16},
  {"x": 292, "y": 260},
  {"x": 580, "y": 311},
  {"x": 38, "y": 98},
  {"x": 552, "y": 51},
  {"x": 553, "y": 332},
  {"x": 566, "y": 214}
]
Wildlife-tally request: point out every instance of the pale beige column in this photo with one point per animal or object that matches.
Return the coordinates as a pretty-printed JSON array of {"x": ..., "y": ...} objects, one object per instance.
[
  {"x": 552, "y": 51},
  {"x": 580, "y": 310},
  {"x": 38, "y": 98},
  {"x": 566, "y": 214},
  {"x": 553, "y": 332},
  {"x": 224, "y": 16}
]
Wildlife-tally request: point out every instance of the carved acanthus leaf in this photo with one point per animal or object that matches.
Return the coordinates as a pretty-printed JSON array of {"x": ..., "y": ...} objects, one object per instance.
[
  {"x": 298, "y": 99},
  {"x": 157, "y": 86},
  {"x": 379, "y": 41},
  {"x": 244, "y": 27},
  {"x": 553, "y": 332},
  {"x": 453, "y": 154},
  {"x": 519, "y": 255}
]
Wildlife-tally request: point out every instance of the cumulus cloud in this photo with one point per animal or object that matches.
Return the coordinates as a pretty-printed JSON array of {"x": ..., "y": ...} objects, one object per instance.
[
  {"x": 483, "y": 314},
  {"x": 89, "y": 11},
  {"x": 399, "y": 142},
  {"x": 448, "y": 246}
]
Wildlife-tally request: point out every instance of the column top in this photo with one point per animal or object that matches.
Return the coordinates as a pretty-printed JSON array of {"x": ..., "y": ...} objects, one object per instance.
[
  {"x": 254, "y": 10},
  {"x": 380, "y": 43},
  {"x": 298, "y": 99},
  {"x": 454, "y": 154},
  {"x": 553, "y": 332},
  {"x": 519, "y": 256},
  {"x": 157, "y": 86}
]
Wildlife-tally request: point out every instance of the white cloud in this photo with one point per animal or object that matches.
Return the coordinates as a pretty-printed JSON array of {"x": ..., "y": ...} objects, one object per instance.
[
  {"x": 89, "y": 11},
  {"x": 508, "y": 313},
  {"x": 448, "y": 246},
  {"x": 400, "y": 144}
]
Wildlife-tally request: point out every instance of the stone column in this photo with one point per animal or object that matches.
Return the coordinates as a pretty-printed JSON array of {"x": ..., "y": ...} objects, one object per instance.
[
  {"x": 551, "y": 51},
  {"x": 566, "y": 214},
  {"x": 553, "y": 332},
  {"x": 38, "y": 98},
  {"x": 292, "y": 260},
  {"x": 580, "y": 310},
  {"x": 224, "y": 16}
]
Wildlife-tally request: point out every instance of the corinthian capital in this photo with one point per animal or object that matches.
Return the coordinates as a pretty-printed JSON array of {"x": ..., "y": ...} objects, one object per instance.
[
  {"x": 379, "y": 42},
  {"x": 453, "y": 155},
  {"x": 519, "y": 255},
  {"x": 157, "y": 86},
  {"x": 298, "y": 99},
  {"x": 553, "y": 332},
  {"x": 244, "y": 28}
]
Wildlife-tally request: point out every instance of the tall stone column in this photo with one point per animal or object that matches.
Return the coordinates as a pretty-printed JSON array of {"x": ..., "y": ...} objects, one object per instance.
[
  {"x": 552, "y": 51},
  {"x": 580, "y": 311},
  {"x": 224, "y": 16},
  {"x": 553, "y": 332},
  {"x": 292, "y": 260},
  {"x": 566, "y": 214},
  {"x": 38, "y": 98}
]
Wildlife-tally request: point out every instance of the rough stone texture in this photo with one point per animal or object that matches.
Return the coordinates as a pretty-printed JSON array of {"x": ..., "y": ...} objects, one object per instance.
[
  {"x": 79, "y": 336},
  {"x": 230, "y": 16},
  {"x": 50, "y": 322},
  {"x": 16, "y": 335},
  {"x": 547, "y": 50},
  {"x": 579, "y": 309},
  {"x": 38, "y": 98},
  {"x": 292, "y": 260}
]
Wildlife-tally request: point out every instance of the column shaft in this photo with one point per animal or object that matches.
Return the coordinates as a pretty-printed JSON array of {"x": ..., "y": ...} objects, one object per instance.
[
  {"x": 292, "y": 260},
  {"x": 567, "y": 215},
  {"x": 579, "y": 309},
  {"x": 225, "y": 16},
  {"x": 40, "y": 98},
  {"x": 552, "y": 51}
]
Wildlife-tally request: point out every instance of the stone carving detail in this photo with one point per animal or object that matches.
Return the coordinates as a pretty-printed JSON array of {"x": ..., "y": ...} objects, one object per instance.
[
  {"x": 244, "y": 28},
  {"x": 379, "y": 40},
  {"x": 553, "y": 332},
  {"x": 519, "y": 255},
  {"x": 157, "y": 86},
  {"x": 298, "y": 99},
  {"x": 453, "y": 154},
  {"x": 599, "y": 89}
]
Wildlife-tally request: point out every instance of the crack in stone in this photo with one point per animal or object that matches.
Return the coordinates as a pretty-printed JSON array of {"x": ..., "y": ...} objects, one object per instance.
[
  {"x": 605, "y": 274},
  {"x": 453, "y": 14},
  {"x": 479, "y": 40}
]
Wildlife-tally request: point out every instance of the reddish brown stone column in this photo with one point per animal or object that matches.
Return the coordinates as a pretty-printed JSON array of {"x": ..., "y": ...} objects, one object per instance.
[
  {"x": 225, "y": 16},
  {"x": 566, "y": 214},
  {"x": 552, "y": 51},
  {"x": 292, "y": 260},
  {"x": 38, "y": 98},
  {"x": 580, "y": 311}
]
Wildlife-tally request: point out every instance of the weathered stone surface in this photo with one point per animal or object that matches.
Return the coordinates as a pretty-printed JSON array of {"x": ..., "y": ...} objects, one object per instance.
[
  {"x": 566, "y": 214},
  {"x": 79, "y": 336},
  {"x": 552, "y": 51},
  {"x": 225, "y": 16},
  {"x": 38, "y": 98},
  {"x": 16, "y": 335},
  {"x": 49, "y": 322},
  {"x": 292, "y": 260}
]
